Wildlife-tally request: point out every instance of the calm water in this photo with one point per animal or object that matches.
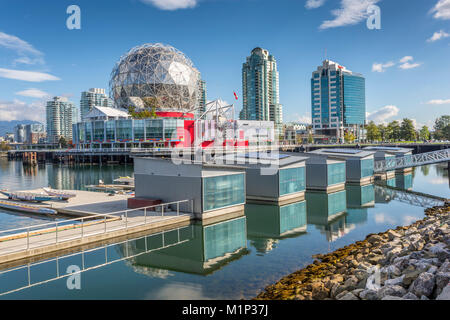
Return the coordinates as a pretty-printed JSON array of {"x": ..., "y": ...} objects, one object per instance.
[{"x": 227, "y": 260}]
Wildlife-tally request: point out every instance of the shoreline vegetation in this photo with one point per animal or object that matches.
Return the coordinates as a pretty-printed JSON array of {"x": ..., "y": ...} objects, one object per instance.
[{"x": 408, "y": 263}]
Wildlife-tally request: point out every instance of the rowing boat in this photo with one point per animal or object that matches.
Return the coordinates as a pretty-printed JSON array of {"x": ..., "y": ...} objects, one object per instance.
[
  {"x": 64, "y": 195},
  {"x": 29, "y": 196},
  {"x": 26, "y": 208}
]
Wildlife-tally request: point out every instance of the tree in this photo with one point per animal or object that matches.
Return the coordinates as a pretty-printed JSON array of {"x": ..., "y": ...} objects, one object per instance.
[
  {"x": 442, "y": 128},
  {"x": 393, "y": 131},
  {"x": 383, "y": 131},
  {"x": 310, "y": 138},
  {"x": 373, "y": 134},
  {"x": 424, "y": 133},
  {"x": 349, "y": 137},
  {"x": 407, "y": 130},
  {"x": 62, "y": 142},
  {"x": 4, "y": 146}
]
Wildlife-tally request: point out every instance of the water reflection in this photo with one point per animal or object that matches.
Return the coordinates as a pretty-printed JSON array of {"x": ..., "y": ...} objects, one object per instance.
[
  {"x": 266, "y": 224},
  {"x": 210, "y": 248}
]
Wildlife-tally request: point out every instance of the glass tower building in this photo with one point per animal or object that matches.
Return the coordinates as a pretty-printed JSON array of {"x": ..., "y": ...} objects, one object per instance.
[
  {"x": 260, "y": 87},
  {"x": 338, "y": 101},
  {"x": 61, "y": 114},
  {"x": 95, "y": 97}
]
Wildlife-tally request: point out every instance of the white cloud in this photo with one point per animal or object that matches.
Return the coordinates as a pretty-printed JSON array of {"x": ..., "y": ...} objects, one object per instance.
[
  {"x": 405, "y": 63},
  {"x": 438, "y": 36},
  {"x": 442, "y": 10},
  {"x": 27, "y": 53},
  {"x": 313, "y": 4},
  {"x": 19, "y": 110},
  {"x": 32, "y": 76},
  {"x": 383, "y": 114},
  {"x": 381, "y": 67},
  {"x": 34, "y": 93},
  {"x": 306, "y": 118},
  {"x": 172, "y": 4},
  {"x": 439, "y": 101},
  {"x": 350, "y": 13}
]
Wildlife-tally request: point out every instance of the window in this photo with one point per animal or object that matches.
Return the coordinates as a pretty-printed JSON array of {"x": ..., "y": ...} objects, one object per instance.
[
  {"x": 154, "y": 129},
  {"x": 225, "y": 237},
  {"x": 223, "y": 191},
  {"x": 336, "y": 173},
  {"x": 291, "y": 180},
  {"x": 138, "y": 127},
  {"x": 367, "y": 168},
  {"x": 292, "y": 216}
]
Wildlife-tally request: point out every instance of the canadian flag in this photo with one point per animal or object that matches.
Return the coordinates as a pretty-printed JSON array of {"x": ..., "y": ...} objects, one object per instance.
[{"x": 236, "y": 96}]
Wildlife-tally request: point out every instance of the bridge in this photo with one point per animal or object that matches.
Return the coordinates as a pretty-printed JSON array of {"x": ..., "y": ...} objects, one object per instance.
[
  {"x": 410, "y": 161},
  {"x": 414, "y": 198}
]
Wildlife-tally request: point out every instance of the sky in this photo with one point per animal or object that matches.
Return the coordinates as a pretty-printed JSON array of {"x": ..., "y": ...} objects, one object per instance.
[{"x": 406, "y": 62}]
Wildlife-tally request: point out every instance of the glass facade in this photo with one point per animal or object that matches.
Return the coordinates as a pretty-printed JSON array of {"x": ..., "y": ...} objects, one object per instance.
[
  {"x": 337, "y": 202},
  {"x": 336, "y": 173},
  {"x": 292, "y": 216},
  {"x": 367, "y": 168},
  {"x": 291, "y": 180},
  {"x": 225, "y": 237},
  {"x": 223, "y": 191},
  {"x": 354, "y": 99}
]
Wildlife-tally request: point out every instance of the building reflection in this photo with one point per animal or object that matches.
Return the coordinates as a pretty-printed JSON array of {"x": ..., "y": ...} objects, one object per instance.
[
  {"x": 359, "y": 199},
  {"x": 199, "y": 249},
  {"x": 327, "y": 211},
  {"x": 404, "y": 181},
  {"x": 267, "y": 224}
]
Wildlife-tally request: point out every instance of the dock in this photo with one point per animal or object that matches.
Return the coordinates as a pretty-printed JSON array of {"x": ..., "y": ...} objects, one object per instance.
[{"x": 98, "y": 217}]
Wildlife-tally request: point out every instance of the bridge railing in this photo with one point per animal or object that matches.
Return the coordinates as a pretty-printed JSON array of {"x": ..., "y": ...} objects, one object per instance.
[
  {"x": 35, "y": 236},
  {"x": 412, "y": 160}
]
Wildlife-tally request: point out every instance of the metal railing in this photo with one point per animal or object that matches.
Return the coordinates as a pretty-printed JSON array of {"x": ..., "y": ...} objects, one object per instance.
[
  {"x": 408, "y": 197},
  {"x": 412, "y": 160},
  {"x": 103, "y": 258},
  {"x": 35, "y": 236}
]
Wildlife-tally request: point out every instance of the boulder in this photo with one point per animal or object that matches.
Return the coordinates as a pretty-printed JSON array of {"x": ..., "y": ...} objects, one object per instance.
[
  {"x": 349, "y": 296},
  {"x": 445, "y": 294},
  {"x": 423, "y": 285},
  {"x": 395, "y": 290},
  {"x": 410, "y": 296},
  {"x": 368, "y": 295},
  {"x": 394, "y": 282}
]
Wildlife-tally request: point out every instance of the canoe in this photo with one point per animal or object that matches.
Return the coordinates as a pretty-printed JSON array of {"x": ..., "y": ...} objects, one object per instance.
[
  {"x": 64, "y": 195},
  {"x": 29, "y": 196},
  {"x": 26, "y": 208}
]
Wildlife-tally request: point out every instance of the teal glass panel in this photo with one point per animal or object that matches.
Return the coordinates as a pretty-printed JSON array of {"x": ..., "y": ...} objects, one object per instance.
[
  {"x": 138, "y": 127},
  {"x": 223, "y": 191},
  {"x": 367, "y": 168},
  {"x": 367, "y": 194},
  {"x": 337, "y": 202},
  {"x": 336, "y": 173},
  {"x": 292, "y": 216},
  {"x": 124, "y": 130},
  {"x": 225, "y": 237},
  {"x": 154, "y": 129},
  {"x": 88, "y": 131},
  {"x": 292, "y": 180},
  {"x": 99, "y": 133},
  {"x": 110, "y": 130}
]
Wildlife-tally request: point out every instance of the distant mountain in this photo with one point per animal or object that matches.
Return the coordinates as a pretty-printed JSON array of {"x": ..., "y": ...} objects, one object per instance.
[{"x": 8, "y": 126}]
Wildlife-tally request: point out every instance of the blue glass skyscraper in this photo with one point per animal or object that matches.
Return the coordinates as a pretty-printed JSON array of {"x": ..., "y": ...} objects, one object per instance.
[{"x": 338, "y": 101}]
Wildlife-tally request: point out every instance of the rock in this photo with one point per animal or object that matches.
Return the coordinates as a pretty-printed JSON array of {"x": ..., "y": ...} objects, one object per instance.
[
  {"x": 440, "y": 251},
  {"x": 391, "y": 298},
  {"x": 394, "y": 252},
  {"x": 356, "y": 292},
  {"x": 393, "y": 235},
  {"x": 424, "y": 298},
  {"x": 445, "y": 294},
  {"x": 445, "y": 267},
  {"x": 340, "y": 295},
  {"x": 410, "y": 296},
  {"x": 442, "y": 279},
  {"x": 374, "y": 238},
  {"x": 394, "y": 282},
  {"x": 423, "y": 285},
  {"x": 376, "y": 259},
  {"x": 349, "y": 296},
  {"x": 410, "y": 276},
  {"x": 395, "y": 290},
  {"x": 368, "y": 295},
  {"x": 319, "y": 292}
]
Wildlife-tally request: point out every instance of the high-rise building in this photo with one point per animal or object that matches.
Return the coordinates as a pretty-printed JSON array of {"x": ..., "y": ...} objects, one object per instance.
[
  {"x": 19, "y": 133},
  {"x": 95, "y": 97},
  {"x": 260, "y": 87},
  {"x": 338, "y": 101},
  {"x": 61, "y": 114},
  {"x": 34, "y": 133}
]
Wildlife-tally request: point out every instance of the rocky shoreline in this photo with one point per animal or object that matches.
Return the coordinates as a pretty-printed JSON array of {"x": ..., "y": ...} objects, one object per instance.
[{"x": 408, "y": 263}]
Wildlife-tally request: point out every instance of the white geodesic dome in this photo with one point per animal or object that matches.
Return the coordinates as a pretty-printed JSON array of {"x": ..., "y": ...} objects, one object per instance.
[{"x": 155, "y": 71}]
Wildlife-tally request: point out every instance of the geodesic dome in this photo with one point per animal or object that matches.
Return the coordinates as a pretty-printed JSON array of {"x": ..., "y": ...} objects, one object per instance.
[{"x": 155, "y": 74}]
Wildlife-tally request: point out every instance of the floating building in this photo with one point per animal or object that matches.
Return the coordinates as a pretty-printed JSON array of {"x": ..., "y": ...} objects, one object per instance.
[
  {"x": 398, "y": 152},
  {"x": 214, "y": 190},
  {"x": 359, "y": 163},
  {"x": 324, "y": 174},
  {"x": 271, "y": 178}
]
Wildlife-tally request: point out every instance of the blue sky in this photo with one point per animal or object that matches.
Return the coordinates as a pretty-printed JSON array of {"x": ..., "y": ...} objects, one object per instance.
[{"x": 405, "y": 63}]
